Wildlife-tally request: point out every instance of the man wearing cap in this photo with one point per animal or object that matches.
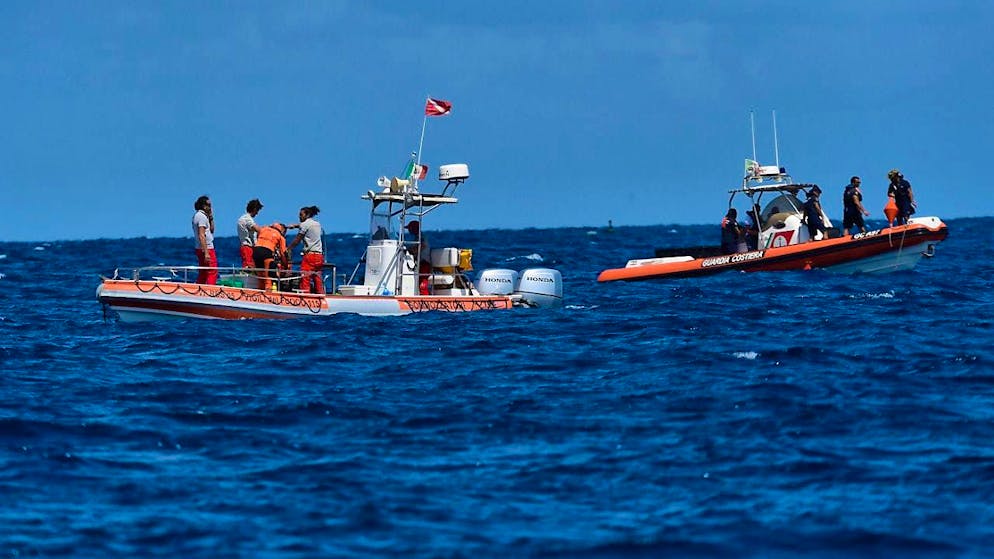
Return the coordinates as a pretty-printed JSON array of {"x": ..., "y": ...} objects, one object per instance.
[
  {"x": 900, "y": 190},
  {"x": 852, "y": 207},
  {"x": 812, "y": 214}
]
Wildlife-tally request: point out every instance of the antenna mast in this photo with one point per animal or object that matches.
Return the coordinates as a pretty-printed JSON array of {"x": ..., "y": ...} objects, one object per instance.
[
  {"x": 421, "y": 144},
  {"x": 776, "y": 144},
  {"x": 752, "y": 128}
]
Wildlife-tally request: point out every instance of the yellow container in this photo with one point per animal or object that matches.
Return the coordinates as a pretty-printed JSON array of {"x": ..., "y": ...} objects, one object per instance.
[{"x": 465, "y": 259}]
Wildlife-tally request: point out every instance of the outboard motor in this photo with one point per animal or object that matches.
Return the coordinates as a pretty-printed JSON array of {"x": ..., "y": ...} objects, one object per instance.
[
  {"x": 495, "y": 281},
  {"x": 541, "y": 287}
]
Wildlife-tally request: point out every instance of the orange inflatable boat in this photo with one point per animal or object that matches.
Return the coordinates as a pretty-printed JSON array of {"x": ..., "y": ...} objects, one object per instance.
[{"x": 782, "y": 241}]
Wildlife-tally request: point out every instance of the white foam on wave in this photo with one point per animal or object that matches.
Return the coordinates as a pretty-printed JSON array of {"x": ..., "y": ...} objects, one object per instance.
[
  {"x": 580, "y": 307},
  {"x": 2, "y": 275},
  {"x": 591, "y": 232},
  {"x": 2, "y": 256},
  {"x": 39, "y": 248},
  {"x": 746, "y": 355},
  {"x": 534, "y": 257},
  {"x": 884, "y": 295}
]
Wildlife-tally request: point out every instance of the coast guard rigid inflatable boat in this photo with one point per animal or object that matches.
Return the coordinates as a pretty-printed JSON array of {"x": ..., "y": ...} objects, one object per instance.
[{"x": 784, "y": 244}]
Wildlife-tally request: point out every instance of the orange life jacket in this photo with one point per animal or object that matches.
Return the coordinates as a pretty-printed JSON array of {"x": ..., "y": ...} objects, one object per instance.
[{"x": 271, "y": 238}]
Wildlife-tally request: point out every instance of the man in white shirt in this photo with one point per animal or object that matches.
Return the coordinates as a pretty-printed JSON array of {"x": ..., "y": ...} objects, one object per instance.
[
  {"x": 248, "y": 232},
  {"x": 312, "y": 262},
  {"x": 203, "y": 234}
]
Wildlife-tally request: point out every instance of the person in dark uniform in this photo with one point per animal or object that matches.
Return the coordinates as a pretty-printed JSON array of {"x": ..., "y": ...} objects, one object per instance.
[
  {"x": 812, "y": 214},
  {"x": 731, "y": 232},
  {"x": 852, "y": 207},
  {"x": 900, "y": 190},
  {"x": 752, "y": 230}
]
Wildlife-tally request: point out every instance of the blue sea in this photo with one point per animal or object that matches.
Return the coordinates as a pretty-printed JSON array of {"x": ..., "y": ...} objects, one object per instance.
[{"x": 775, "y": 414}]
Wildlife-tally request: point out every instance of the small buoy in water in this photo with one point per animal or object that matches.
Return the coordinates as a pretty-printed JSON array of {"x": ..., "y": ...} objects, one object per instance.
[{"x": 890, "y": 210}]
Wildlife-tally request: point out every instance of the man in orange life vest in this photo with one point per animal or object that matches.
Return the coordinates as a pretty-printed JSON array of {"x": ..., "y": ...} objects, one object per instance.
[
  {"x": 270, "y": 252},
  {"x": 731, "y": 232}
]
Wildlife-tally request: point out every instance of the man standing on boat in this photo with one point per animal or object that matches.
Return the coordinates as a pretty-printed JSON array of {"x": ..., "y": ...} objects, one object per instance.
[
  {"x": 270, "y": 253},
  {"x": 900, "y": 190},
  {"x": 813, "y": 213},
  {"x": 752, "y": 230},
  {"x": 852, "y": 207},
  {"x": 203, "y": 234},
  {"x": 312, "y": 263},
  {"x": 248, "y": 231},
  {"x": 731, "y": 232}
]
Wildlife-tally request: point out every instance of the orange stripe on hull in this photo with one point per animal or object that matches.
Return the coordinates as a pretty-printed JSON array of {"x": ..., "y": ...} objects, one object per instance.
[
  {"x": 207, "y": 301},
  {"x": 817, "y": 254},
  {"x": 195, "y": 309},
  {"x": 125, "y": 289},
  {"x": 453, "y": 304},
  {"x": 210, "y": 301}
]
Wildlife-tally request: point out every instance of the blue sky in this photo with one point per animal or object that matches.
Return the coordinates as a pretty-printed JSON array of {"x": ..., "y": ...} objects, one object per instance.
[{"x": 117, "y": 115}]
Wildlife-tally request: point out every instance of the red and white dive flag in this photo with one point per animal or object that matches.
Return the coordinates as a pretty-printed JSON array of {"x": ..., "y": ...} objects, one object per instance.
[{"x": 437, "y": 107}]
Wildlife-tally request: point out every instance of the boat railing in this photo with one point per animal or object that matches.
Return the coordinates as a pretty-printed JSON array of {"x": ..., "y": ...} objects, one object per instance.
[
  {"x": 362, "y": 260},
  {"x": 188, "y": 274}
]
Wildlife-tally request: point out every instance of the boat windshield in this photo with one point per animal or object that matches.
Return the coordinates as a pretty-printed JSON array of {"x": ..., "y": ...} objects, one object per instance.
[
  {"x": 382, "y": 224},
  {"x": 785, "y": 202}
]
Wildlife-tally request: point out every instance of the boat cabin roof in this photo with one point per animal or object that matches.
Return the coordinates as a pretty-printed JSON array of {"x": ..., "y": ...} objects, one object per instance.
[
  {"x": 791, "y": 187},
  {"x": 410, "y": 200}
]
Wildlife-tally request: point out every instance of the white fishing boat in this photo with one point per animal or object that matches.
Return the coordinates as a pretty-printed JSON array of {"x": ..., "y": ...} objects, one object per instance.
[
  {"x": 387, "y": 280},
  {"x": 397, "y": 274}
]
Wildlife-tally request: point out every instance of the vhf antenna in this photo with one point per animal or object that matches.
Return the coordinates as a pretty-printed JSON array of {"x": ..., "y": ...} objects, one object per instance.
[
  {"x": 776, "y": 145},
  {"x": 752, "y": 128}
]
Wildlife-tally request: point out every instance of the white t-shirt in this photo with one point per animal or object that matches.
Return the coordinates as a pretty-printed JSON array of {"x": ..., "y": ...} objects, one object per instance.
[
  {"x": 200, "y": 220},
  {"x": 311, "y": 230},
  {"x": 246, "y": 230}
]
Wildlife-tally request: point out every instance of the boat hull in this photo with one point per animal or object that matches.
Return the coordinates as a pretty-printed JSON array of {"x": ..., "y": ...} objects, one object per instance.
[
  {"x": 882, "y": 250},
  {"x": 140, "y": 301}
]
